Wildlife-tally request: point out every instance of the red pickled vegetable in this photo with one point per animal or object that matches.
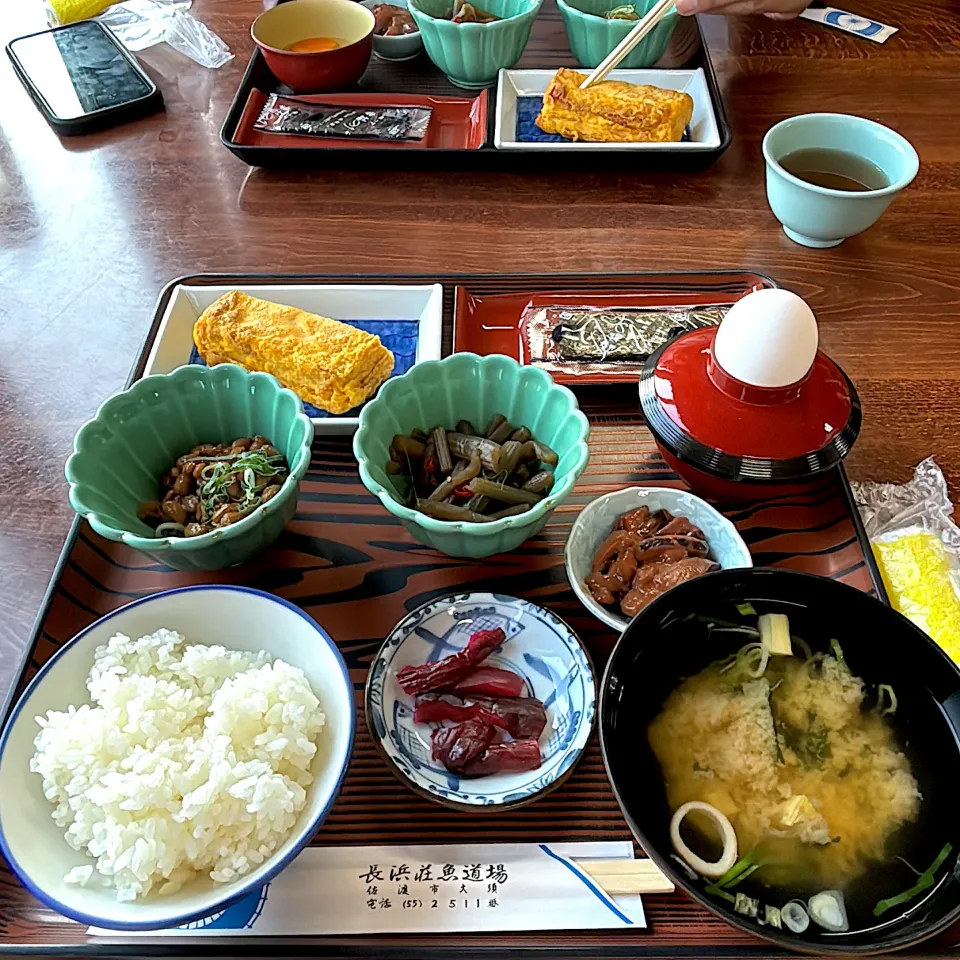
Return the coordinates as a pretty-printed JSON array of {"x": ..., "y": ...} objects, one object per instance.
[
  {"x": 489, "y": 682},
  {"x": 446, "y": 673},
  {"x": 521, "y": 717},
  {"x": 513, "y": 757},
  {"x": 456, "y": 746}
]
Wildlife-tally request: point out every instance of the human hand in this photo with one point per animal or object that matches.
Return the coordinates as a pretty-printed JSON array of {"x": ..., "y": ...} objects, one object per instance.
[{"x": 775, "y": 9}]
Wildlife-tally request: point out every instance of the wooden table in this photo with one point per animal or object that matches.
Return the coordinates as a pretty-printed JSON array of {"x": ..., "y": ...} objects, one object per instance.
[{"x": 92, "y": 228}]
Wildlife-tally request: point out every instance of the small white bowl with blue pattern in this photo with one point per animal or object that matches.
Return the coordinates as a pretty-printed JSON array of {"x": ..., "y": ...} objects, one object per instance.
[
  {"x": 540, "y": 647},
  {"x": 597, "y": 520}
]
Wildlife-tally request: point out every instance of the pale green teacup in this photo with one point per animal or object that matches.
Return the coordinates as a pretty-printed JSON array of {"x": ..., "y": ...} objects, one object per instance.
[{"x": 818, "y": 216}]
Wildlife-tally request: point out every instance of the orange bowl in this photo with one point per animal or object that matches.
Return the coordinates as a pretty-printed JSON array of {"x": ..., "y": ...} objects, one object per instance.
[{"x": 316, "y": 71}]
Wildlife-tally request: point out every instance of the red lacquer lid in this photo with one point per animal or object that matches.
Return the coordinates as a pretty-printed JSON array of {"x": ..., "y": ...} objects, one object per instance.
[{"x": 791, "y": 412}]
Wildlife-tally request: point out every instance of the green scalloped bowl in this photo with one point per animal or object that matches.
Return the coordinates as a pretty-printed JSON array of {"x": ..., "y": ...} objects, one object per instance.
[
  {"x": 465, "y": 386},
  {"x": 592, "y": 37},
  {"x": 136, "y": 435},
  {"x": 472, "y": 54}
]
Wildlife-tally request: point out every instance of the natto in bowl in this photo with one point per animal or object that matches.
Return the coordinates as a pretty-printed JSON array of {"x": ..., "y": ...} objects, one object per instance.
[{"x": 138, "y": 434}]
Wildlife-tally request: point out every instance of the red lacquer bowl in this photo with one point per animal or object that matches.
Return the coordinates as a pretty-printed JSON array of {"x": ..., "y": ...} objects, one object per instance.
[
  {"x": 734, "y": 441},
  {"x": 343, "y": 20}
]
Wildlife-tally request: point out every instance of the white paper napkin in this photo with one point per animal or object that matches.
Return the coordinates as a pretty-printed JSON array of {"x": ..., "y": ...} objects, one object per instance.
[{"x": 426, "y": 889}]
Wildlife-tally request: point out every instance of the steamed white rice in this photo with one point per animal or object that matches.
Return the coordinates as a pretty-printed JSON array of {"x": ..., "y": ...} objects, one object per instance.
[{"x": 191, "y": 759}]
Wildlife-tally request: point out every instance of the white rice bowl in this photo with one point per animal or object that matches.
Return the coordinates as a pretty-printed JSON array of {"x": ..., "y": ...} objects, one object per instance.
[{"x": 194, "y": 767}]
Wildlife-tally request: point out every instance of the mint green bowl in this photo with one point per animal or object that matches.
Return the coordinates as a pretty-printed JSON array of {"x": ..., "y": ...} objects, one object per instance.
[
  {"x": 467, "y": 387},
  {"x": 472, "y": 54},
  {"x": 137, "y": 435},
  {"x": 592, "y": 37}
]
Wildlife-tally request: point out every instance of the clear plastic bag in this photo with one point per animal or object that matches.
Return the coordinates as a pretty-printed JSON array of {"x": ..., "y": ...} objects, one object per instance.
[
  {"x": 196, "y": 40},
  {"x": 139, "y": 24},
  {"x": 917, "y": 547}
]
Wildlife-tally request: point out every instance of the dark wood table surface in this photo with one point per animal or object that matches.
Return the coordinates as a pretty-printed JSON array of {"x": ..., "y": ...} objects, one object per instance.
[{"x": 91, "y": 228}]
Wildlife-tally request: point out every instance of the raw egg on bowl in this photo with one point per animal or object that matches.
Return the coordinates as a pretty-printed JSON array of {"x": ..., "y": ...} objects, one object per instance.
[
  {"x": 316, "y": 46},
  {"x": 751, "y": 408}
]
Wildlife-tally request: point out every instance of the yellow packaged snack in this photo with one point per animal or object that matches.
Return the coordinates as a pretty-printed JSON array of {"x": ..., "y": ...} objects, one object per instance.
[
  {"x": 918, "y": 576},
  {"x": 69, "y": 11},
  {"x": 917, "y": 548}
]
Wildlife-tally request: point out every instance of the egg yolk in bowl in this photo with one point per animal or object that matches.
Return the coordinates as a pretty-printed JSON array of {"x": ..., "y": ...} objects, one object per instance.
[{"x": 315, "y": 45}]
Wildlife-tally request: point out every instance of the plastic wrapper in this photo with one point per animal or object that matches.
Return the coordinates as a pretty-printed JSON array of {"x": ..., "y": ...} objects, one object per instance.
[
  {"x": 304, "y": 118},
  {"x": 917, "y": 547},
  {"x": 196, "y": 40},
  {"x": 585, "y": 339},
  {"x": 139, "y": 24}
]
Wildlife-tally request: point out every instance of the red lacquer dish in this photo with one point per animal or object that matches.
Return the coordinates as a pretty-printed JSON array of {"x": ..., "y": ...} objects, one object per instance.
[
  {"x": 456, "y": 123},
  {"x": 733, "y": 436}
]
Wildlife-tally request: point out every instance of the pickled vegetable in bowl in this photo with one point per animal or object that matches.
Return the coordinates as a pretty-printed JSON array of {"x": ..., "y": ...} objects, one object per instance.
[
  {"x": 480, "y": 700},
  {"x": 463, "y": 474},
  {"x": 626, "y": 11},
  {"x": 462, "y": 388},
  {"x": 465, "y": 12}
]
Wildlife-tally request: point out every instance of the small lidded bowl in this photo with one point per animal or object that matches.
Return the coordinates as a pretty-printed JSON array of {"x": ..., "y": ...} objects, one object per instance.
[
  {"x": 403, "y": 46},
  {"x": 753, "y": 405},
  {"x": 316, "y": 22}
]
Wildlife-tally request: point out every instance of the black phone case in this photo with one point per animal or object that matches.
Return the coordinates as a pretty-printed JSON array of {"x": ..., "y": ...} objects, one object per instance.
[{"x": 98, "y": 119}]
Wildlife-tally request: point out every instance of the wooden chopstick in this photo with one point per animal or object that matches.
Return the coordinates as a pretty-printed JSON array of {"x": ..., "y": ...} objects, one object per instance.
[
  {"x": 653, "y": 16},
  {"x": 618, "y": 877}
]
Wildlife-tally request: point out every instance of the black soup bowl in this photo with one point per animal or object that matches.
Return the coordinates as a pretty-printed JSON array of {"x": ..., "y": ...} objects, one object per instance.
[{"x": 666, "y": 643}]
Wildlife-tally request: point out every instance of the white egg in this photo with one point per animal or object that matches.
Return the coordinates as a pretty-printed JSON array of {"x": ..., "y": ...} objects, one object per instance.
[{"x": 768, "y": 339}]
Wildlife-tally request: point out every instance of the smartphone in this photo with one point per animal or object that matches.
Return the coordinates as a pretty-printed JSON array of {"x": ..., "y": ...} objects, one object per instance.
[{"x": 81, "y": 77}]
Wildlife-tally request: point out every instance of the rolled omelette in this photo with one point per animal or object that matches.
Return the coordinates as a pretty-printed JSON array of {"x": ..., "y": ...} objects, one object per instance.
[
  {"x": 327, "y": 363},
  {"x": 613, "y": 111}
]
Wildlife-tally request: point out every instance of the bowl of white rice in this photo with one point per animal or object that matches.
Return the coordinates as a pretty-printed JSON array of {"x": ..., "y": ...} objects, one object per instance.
[{"x": 173, "y": 757}]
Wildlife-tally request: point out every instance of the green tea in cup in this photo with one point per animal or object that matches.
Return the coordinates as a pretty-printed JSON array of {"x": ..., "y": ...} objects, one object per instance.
[
  {"x": 831, "y": 175},
  {"x": 834, "y": 169}
]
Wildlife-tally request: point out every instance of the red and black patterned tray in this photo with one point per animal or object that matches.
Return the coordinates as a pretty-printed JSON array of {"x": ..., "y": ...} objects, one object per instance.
[{"x": 355, "y": 569}]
